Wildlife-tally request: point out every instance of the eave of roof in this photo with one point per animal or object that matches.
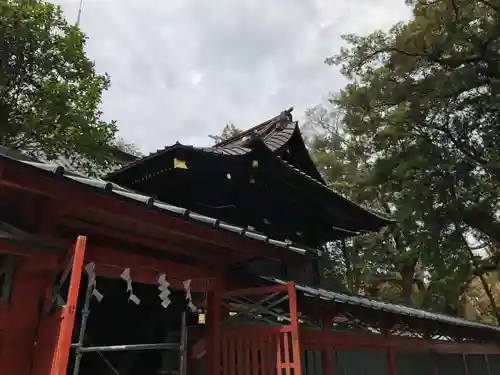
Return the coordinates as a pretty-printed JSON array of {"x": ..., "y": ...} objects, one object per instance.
[
  {"x": 104, "y": 186},
  {"x": 259, "y": 144},
  {"x": 385, "y": 220},
  {"x": 378, "y": 305}
]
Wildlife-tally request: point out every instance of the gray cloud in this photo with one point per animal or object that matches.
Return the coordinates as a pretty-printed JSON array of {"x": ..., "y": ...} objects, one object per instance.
[{"x": 182, "y": 69}]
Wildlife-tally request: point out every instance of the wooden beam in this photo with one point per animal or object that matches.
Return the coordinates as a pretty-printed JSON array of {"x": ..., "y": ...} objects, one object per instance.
[
  {"x": 14, "y": 249},
  {"x": 44, "y": 260},
  {"x": 111, "y": 263},
  {"x": 255, "y": 291},
  {"x": 315, "y": 339},
  {"x": 164, "y": 243}
]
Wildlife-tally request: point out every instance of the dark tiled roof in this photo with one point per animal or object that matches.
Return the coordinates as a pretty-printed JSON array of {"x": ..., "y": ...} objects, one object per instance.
[
  {"x": 379, "y": 215},
  {"x": 230, "y": 150},
  {"x": 383, "y": 306},
  {"x": 262, "y": 129},
  {"x": 240, "y": 151},
  {"x": 273, "y": 141},
  {"x": 119, "y": 191}
]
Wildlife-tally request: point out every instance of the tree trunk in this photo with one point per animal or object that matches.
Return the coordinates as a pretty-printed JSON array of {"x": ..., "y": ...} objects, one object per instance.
[
  {"x": 486, "y": 286},
  {"x": 348, "y": 266},
  {"x": 407, "y": 273}
]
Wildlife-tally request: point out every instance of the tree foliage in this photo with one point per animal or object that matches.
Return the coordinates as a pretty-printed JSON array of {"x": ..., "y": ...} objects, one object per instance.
[
  {"x": 127, "y": 147},
  {"x": 415, "y": 133},
  {"x": 49, "y": 90},
  {"x": 229, "y": 131}
]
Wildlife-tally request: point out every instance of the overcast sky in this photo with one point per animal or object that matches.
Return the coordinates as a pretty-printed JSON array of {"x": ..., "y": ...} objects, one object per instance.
[{"x": 182, "y": 69}]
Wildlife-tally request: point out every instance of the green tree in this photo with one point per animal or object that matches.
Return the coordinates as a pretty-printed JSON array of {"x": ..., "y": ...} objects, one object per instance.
[
  {"x": 49, "y": 90},
  {"x": 435, "y": 81},
  {"x": 127, "y": 147},
  {"x": 384, "y": 264},
  {"x": 423, "y": 260},
  {"x": 421, "y": 116},
  {"x": 229, "y": 131}
]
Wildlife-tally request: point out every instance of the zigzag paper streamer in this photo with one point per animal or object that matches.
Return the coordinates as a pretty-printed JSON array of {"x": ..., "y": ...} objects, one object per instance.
[
  {"x": 98, "y": 295},
  {"x": 128, "y": 279},
  {"x": 164, "y": 294},
  {"x": 162, "y": 280},
  {"x": 163, "y": 287},
  {"x": 166, "y": 302},
  {"x": 90, "y": 269},
  {"x": 189, "y": 298}
]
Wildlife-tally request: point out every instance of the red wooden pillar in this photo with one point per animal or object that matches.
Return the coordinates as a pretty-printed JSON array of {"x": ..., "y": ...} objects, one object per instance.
[
  {"x": 213, "y": 326},
  {"x": 19, "y": 338},
  {"x": 391, "y": 357},
  {"x": 294, "y": 323},
  {"x": 391, "y": 361},
  {"x": 326, "y": 353},
  {"x": 435, "y": 364},
  {"x": 61, "y": 357},
  {"x": 46, "y": 342}
]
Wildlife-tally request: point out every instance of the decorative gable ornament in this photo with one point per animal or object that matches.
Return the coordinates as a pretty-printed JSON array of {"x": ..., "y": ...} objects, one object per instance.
[{"x": 180, "y": 164}]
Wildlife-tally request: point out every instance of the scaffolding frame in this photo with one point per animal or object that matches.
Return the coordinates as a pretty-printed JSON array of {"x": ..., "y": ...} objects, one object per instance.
[{"x": 81, "y": 349}]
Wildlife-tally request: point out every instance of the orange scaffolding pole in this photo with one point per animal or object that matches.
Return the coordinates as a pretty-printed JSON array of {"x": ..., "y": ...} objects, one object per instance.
[{"x": 61, "y": 357}]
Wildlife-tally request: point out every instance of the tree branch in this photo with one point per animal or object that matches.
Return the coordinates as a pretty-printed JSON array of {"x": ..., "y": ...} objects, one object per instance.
[
  {"x": 488, "y": 4},
  {"x": 484, "y": 283}
]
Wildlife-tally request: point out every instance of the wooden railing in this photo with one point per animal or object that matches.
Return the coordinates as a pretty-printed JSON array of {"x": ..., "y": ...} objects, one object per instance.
[{"x": 256, "y": 349}]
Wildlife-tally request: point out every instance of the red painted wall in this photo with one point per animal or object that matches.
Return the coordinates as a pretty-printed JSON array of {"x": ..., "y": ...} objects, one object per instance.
[{"x": 21, "y": 334}]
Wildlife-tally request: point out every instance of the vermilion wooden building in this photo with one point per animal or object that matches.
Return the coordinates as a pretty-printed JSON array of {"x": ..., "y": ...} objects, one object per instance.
[{"x": 234, "y": 231}]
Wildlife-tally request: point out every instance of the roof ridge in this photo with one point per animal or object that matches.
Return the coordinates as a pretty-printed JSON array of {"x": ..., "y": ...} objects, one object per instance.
[{"x": 287, "y": 113}]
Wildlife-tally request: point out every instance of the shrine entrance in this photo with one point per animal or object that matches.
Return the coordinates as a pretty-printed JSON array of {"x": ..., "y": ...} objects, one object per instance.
[
  {"x": 122, "y": 327},
  {"x": 129, "y": 334},
  {"x": 129, "y": 328}
]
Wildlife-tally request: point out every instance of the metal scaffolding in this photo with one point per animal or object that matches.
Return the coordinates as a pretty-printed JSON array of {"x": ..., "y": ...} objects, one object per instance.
[{"x": 81, "y": 349}]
